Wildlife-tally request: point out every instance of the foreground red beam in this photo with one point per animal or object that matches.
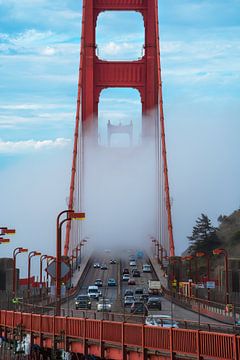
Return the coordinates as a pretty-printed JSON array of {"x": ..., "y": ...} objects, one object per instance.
[{"x": 120, "y": 340}]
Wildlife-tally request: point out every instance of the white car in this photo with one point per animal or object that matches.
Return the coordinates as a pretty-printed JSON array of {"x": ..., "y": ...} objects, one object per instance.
[
  {"x": 147, "y": 268},
  {"x": 104, "y": 305},
  {"x": 132, "y": 263},
  {"x": 161, "y": 320},
  {"x": 94, "y": 292},
  {"x": 125, "y": 277}
]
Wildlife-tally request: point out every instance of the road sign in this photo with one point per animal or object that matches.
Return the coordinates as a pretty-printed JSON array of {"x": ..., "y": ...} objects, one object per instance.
[
  {"x": 51, "y": 269},
  {"x": 210, "y": 284}
]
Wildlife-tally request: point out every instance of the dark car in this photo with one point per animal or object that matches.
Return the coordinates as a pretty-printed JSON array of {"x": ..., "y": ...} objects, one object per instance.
[
  {"x": 144, "y": 297},
  {"x": 128, "y": 301},
  {"x": 82, "y": 302},
  {"x": 104, "y": 267},
  {"x": 131, "y": 282},
  {"x": 138, "y": 291},
  {"x": 136, "y": 273},
  {"x": 98, "y": 282},
  {"x": 128, "y": 292},
  {"x": 113, "y": 262},
  {"x": 112, "y": 282},
  {"x": 138, "y": 307},
  {"x": 125, "y": 271},
  {"x": 154, "y": 302}
]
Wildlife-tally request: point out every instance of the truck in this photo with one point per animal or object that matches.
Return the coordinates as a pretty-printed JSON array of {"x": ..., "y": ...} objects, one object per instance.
[{"x": 154, "y": 287}]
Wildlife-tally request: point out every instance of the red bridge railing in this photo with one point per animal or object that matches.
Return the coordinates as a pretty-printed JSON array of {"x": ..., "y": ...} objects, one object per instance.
[{"x": 198, "y": 344}]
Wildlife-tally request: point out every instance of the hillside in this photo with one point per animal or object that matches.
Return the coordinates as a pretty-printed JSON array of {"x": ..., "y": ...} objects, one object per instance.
[{"x": 229, "y": 232}]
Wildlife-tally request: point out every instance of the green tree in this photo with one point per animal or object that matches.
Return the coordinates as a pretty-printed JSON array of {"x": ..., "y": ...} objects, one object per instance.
[{"x": 204, "y": 235}]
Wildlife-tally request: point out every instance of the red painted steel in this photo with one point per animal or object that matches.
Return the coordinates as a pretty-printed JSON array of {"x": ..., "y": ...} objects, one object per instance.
[
  {"x": 143, "y": 75},
  {"x": 184, "y": 342}
]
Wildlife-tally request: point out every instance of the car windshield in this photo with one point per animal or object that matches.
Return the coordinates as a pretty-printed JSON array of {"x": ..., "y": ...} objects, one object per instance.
[
  {"x": 104, "y": 301},
  {"x": 154, "y": 299},
  {"x": 93, "y": 291},
  {"x": 82, "y": 297},
  {"x": 129, "y": 298}
]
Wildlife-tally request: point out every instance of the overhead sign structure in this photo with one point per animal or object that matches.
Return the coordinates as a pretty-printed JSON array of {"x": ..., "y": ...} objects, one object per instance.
[
  {"x": 51, "y": 269},
  {"x": 210, "y": 285}
]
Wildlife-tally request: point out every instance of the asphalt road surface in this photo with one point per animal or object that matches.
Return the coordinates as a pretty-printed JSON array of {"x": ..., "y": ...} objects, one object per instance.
[{"x": 116, "y": 293}]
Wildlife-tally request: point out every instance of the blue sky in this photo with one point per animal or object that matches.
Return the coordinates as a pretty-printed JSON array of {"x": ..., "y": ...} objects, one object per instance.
[{"x": 39, "y": 54}]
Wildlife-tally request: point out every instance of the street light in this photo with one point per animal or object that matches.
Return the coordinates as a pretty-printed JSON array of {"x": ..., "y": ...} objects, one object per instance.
[
  {"x": 16, "y": 251},
  {"x": 30, "y": 255},
  {"x": 225, "y": 253},
  {"x": 202, "y": 254},
  {"x": 4, "y": 241},
  {"x": 43, "y": 257},
  {"x": 5, "y": 230},
  {"x": 71, "y": 215}
]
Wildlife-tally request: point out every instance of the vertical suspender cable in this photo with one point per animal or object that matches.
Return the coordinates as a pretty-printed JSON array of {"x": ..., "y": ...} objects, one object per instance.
[
  {"x": 76, "y": 133},
  {"x": 163, "y": 140}
]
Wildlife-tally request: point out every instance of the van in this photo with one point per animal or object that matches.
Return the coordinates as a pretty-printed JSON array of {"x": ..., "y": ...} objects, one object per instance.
[{"x": 94, "y": 292}]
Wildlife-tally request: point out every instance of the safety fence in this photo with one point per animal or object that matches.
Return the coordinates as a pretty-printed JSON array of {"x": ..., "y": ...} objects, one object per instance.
[{"x": 195, "y": 343}]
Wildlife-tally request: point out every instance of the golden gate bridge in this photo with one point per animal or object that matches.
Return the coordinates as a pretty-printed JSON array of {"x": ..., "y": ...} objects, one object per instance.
[{"x": 114, "y": 338}]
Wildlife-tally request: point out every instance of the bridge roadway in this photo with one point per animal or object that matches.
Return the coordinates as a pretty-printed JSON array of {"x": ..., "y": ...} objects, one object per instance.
[{"x": 116, "y": 294}]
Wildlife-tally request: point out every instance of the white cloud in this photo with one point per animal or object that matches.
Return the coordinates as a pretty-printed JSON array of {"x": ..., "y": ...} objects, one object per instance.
[
  {"x": 10, "y": 121},
  {"x": 11, "y": 147},
  {"x": 31, "y": 106},
  {"x": 49, "y": 51}
]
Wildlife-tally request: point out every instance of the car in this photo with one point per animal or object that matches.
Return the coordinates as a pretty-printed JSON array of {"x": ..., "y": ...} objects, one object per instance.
[
  {"x": 98, "y": 282},
  {"x": 112, "y": 282},
  {"x": 147, "y": 268},
  {"x": 82, "y": 302},
  {"x": 104, "y": 305},
  {"x": 132, "y": 258},
  {"x": 131, "y": 282},
  {"x": 94, "y": 292},
  {"x": 104, "y": 267},
  {"x": 132, "y": 263},
  {"x": 154, "y": 302},
  {"x": 138, "y": 307},
  {"x": 125, "y": 271},
  {"x": 136, "y": 273},
  {"x": 113, "y": 262},
  {"x": 128, "y": 301},
  {"x": 96, "y": 266},
  {"x": 138, "y": 291},
  {"x": 161, "y": 320},
  {"x": 144, "y": 297},
  {"x": 128, "y": 292},
  {"x": 125, "y": 277}
]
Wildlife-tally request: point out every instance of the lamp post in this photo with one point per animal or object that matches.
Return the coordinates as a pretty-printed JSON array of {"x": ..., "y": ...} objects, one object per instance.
[
  {"x": 225, "y": 253},
  {"x": 4, "y": 241},
  {"x": 82, "y": 243},
  {"x": 70, "y": 216},
  {"x": 156, "y": 244},
  {"x": 5, "y": 230},
  {"x": 202, "y": 254},
  {"x": 30, "y": 255},
  {"x": 16, "y": 251},
  {"x": 43, "y": 257},
  {"x": 48, "y": 261}
]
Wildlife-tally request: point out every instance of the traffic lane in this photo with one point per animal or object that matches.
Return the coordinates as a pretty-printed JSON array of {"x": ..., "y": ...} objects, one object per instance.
[
  {"x": 179, "y": 313},
  {"x": 168, "y": 307},
  {"x": 93, "y": 274}
]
